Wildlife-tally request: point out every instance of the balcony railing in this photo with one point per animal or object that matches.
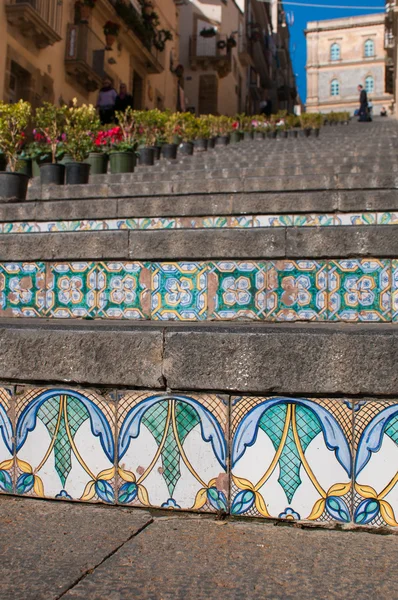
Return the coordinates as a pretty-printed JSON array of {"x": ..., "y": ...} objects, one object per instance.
[
  {"x": 39, "y": 19},
  {"x": 210, "y": 52},
  {"x": 85, "y": 56}
]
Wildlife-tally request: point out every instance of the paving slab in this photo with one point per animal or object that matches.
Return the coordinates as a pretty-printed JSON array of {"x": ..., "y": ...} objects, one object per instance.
[
  {"x": 195, "y": 559},
  {"x": 46, "y": 547}
]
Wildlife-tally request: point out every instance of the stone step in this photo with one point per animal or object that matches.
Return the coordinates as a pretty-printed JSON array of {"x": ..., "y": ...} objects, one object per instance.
[{"x": 292, "y": 359}]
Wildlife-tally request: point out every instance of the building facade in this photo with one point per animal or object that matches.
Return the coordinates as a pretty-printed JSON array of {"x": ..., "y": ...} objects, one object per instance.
[
  {"x": 234, "y": 56},
  {"x": 341, "y": 54},
  {"x": 391, "y": 48},
  {"x": 56, "y": 51}
]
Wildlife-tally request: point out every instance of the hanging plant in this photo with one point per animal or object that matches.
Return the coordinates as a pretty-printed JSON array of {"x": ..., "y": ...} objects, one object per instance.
[
  {"x": 111, "y": 31},
  {"x": 162, "y": 36},
  {"x": 208, "y": 32},
  {"x": 231, "y": 42},
  {"x": 84, "y": 7},
  {"x": 221, "y": 45}
]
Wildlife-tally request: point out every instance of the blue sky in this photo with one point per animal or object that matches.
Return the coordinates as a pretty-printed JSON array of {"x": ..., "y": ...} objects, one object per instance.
[{"x": 303, "y": 14}]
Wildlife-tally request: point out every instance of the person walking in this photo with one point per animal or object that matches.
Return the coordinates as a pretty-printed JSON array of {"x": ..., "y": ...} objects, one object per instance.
[
  {"x": 363, "y": 104},
  {"x": 106, "y": 102},
  {"x": 123, "y": 99}
]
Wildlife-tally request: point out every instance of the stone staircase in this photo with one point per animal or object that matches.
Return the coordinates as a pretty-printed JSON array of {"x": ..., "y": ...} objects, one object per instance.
[{"x": 215, "y": 333}]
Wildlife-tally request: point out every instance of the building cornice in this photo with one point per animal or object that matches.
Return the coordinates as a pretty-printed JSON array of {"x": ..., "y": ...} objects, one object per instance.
[
  {"x": 336, "y": 65},
  {"x": 341, "y": 27}
]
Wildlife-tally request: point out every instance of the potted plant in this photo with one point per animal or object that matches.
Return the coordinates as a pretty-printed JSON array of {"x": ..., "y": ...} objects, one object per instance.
[
  {"x": 231, "y": 42},
  {"x": 80, "y": 123},
  {"x": 38, "y": 152},
  {"x": 84, "y": 7},
  {"x": 98, "y": 153},
  {"x": 224, "y": 128},
  {"x": 147, "y": 130},
  {"x": 188, "y": 127},
  {"x": 50, "y": 127},
  {"x": 123, "y": 143},
  {"x": 111, "y": 31},
  {"x": 172, "y": 136},
  {"x": 201, "y": 134},
  {"x": 208, "y": 32},
  {"x": 316, "y": 123},
  {"x": 14, "y": 119}
]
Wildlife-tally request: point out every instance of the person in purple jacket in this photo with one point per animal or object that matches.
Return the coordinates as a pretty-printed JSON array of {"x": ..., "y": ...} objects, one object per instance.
[{"x": 106, "y": 102}]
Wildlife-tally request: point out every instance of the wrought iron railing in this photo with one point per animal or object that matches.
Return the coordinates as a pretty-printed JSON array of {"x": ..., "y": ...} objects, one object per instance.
[
  {"x": 84, "y": 46},
  {"x": 49, "y": 10}
]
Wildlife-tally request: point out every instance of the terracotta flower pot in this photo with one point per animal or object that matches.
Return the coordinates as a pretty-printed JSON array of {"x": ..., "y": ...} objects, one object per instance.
[{"x": 85, "y": 12}]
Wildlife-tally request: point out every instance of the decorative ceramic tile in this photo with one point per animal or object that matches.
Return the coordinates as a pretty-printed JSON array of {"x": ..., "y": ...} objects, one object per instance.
[
  {"x": 387, "y": 218},
  {"x": 22, "y": 289},
  {"x": 313, "y": 220},
  {"x": 355, "y": 219},
  {"x": 156, "y": 223},
  {"x": 273, "y": 221},
  {"x": 376, "y": 463},
  {"x": 172, "y": 450},
  {"x": 65, "y": 444},
  {"x": 179, "y": 291},
  {"x": 237, "y": 290},
  {"x": 394, "y": 284},
  {"x": 297, "y": 290},
  {"x": 124, "y": 290},
  {"x": 7, "y": 463},
  {"x": 71, "y": 290},
  {"x": 360, "y": 290},
  {"x": 291, "y": 458}
]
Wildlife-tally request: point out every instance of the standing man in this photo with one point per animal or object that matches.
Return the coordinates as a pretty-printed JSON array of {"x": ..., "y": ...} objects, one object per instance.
[
  {"x": 363, "y": 104},
  {"x": 123, "y": 99},
  {"x": 106, "y": 102}
]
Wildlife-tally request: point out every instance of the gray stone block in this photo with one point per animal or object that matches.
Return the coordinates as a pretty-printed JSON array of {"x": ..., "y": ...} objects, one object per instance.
[
  {"x": 283, "y": 359},
  {"x": 204, "y": 244},
  {"x": 111, "y": 354},
  {"x": 342, "y": 242},
  {"x": 83, "y": 245}
]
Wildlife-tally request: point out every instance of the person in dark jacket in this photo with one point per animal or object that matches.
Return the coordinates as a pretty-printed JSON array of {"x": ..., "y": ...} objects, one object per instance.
[
  {"x": 106, "y": 102},
  {"x": 123, "y": 99},
  {"x": 363, "y": 104}
]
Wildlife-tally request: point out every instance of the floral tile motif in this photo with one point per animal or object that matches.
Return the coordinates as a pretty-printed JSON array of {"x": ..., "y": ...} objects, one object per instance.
[
  {"x": 376, "y": 463},
  {"x": 394, "y": 299},
  {"x": 355, "y": 219},
  {"x": 297, "y": 290},
  {"x": 124, "y": 290},
  {"x": 387, "y": 218},
  {"x": 71, "y": 290},
  {"x": 291, "y": 458},
  {"x": 179, "y": 291},
  {"x": 156, "y": 223},
  {"x": 172, "y": 450},
  {"x": 237, "y": 290},
  {"x": 273, "y": 221},
  {"x": 313, "y": 220},
  {"x": 65, "y": 444},
  {"x": 22, "y": 289},
  {"x": 360, "y": 290},
  {"x": 7, "y": 462}
]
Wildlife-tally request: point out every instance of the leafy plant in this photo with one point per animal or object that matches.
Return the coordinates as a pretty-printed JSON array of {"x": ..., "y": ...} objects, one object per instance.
[
  {"x": 14, "y": 119},
  {"x": 208, "y": 32},
  {"x": 124, "y": 137},
  {"x": 111, "y": 28},
  {"x": 81, "y": 125},
  {"x": 50, "y": 127}
]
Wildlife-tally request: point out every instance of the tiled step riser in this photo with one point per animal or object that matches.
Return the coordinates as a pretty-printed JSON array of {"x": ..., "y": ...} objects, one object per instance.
[
  {"x": 263, "y": 291},
  {"x": 220, "y": 452},
  {"x": 376, "y": 241},
  {"x": 239, "y": 203}
]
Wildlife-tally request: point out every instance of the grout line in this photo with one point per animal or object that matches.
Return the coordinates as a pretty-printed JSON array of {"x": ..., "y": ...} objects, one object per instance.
[{"x": 109, "y": 555}]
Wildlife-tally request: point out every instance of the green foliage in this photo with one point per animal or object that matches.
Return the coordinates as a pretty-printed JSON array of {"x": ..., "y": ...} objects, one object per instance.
[
  {"x": 127, "y": 138},
  {"x": 50, "y": 122},
  {"x": 81, "y": 125},
  {"x": 14, "y": 119}
]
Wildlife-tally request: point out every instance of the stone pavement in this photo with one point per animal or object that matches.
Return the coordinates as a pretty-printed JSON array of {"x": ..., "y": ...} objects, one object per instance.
[{"x": 52, "y": 550}]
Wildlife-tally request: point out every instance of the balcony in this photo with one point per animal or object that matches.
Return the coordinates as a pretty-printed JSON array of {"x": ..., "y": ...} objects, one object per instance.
[
  {"x": 39, "y": 20},
  {"x": 245, "y": 50},
  {"x": 210, "y": 52},
  {"x": 84, "y": 57}
]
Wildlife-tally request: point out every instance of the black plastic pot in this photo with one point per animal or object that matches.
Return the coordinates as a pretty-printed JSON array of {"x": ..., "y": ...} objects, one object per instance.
[
  {"x": 316, "y": 132},
  {"x": 222, "y": 140},
  {"x": 259, "y": 135},
  {"x": 293, "y": 133},
  {"x": 211, "y": 143},
  {"x": 77, "y": 173},
  {"x": 98, "y": 162},
  {"x": 147, "y": 156},
  {"x": 122, "y": 162},
  {"x": 158, "y": 152},
  {"x": 186, "y": 148},
  {"x": 235, "y": 137},
  {"x": 25, "y": 166},
  {"x": 37, "y": 163},
  {"x": 284, "y": 134},
  {"x": 247, "y": 135},
  {"x": 169, "y": 151},
  {"x": 13, "y": 187},
  {"x": 200, "y": 145},
  {"x": 52, "y": 174},
  {"x": 3, "y": 162},
  {"x": 307, "y": 132},
  {"x": 270, "y": 134}
]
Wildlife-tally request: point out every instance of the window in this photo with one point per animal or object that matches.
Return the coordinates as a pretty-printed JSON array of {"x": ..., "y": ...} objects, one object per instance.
[
  {"x": 334, "y": 52},
  {"x": 369, "y": 85},
  {"x": 369, "y": 48},
  {"x": 334, "y": 88}
]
